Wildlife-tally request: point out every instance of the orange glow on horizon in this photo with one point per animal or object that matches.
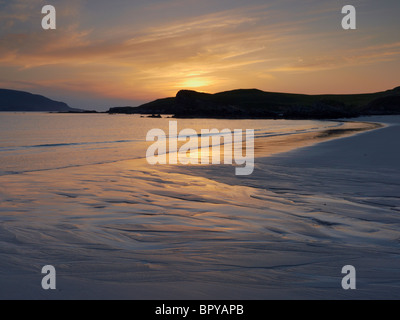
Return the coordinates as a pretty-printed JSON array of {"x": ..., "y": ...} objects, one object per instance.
[
  {"x": 271, "y": 47},
  {"x": 196, "y": 83}
]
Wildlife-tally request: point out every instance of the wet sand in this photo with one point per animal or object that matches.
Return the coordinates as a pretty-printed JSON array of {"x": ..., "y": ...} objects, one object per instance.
[{"x": 127, "y": 230}]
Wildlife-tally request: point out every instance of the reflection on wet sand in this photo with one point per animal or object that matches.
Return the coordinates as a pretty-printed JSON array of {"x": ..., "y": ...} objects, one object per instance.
[
  {"x": 133, "y": 229},
  {"x": 273, "y": 145}
]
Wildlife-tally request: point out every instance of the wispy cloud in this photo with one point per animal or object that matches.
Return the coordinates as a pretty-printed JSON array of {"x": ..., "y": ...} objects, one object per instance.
[
  {"x": 171, "y": 53},
  {"x": 256, "y": 44},
  {"x": 351, "y": 57}
]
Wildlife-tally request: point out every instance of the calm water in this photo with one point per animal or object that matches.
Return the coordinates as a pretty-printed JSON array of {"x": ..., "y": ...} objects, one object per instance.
[{"x": 40, "y": 141}]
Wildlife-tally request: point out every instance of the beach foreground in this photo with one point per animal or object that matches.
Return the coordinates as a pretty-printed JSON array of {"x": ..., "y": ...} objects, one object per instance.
[{"x": 127, "y": 230}]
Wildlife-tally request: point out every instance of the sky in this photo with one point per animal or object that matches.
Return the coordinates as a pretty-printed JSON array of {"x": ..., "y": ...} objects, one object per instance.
[{"x": 127, "y": 52}]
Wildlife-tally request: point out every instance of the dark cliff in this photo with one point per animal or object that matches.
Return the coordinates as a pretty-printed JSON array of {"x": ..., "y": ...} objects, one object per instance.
[{"x": 253, "y": 103}]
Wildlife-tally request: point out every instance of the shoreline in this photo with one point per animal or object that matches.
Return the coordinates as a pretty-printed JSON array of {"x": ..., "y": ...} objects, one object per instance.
[
  {"x": 127, "y": 230},
  {"x": 341, "y": 200},
  {"x": 273, "y": 146},
  {"x": 264, "y": 146}
]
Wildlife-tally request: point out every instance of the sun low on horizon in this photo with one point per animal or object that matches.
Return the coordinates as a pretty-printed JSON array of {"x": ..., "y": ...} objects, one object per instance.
[{"x": 106, "y": 53}]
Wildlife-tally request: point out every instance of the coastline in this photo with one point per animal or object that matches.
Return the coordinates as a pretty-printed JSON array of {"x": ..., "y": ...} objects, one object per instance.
[
  {"x": 341, "y": 198},
  {"x": 127, "y": 230},
  {"x": 278, "y": 145}
]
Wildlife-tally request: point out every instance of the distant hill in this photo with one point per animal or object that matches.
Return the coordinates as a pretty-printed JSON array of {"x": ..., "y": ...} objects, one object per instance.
[
  {"x": 253, "y": 103},
  {"x": 13, "y": 100}
]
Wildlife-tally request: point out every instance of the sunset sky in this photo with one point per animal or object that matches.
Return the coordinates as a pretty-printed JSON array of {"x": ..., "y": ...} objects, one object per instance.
[{"x": 125, "y": 52}]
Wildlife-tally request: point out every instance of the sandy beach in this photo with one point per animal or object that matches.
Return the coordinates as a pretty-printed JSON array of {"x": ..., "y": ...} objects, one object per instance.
[
  {"x": 199, "y": 150},
  {"x": 127, "y": 230}
]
